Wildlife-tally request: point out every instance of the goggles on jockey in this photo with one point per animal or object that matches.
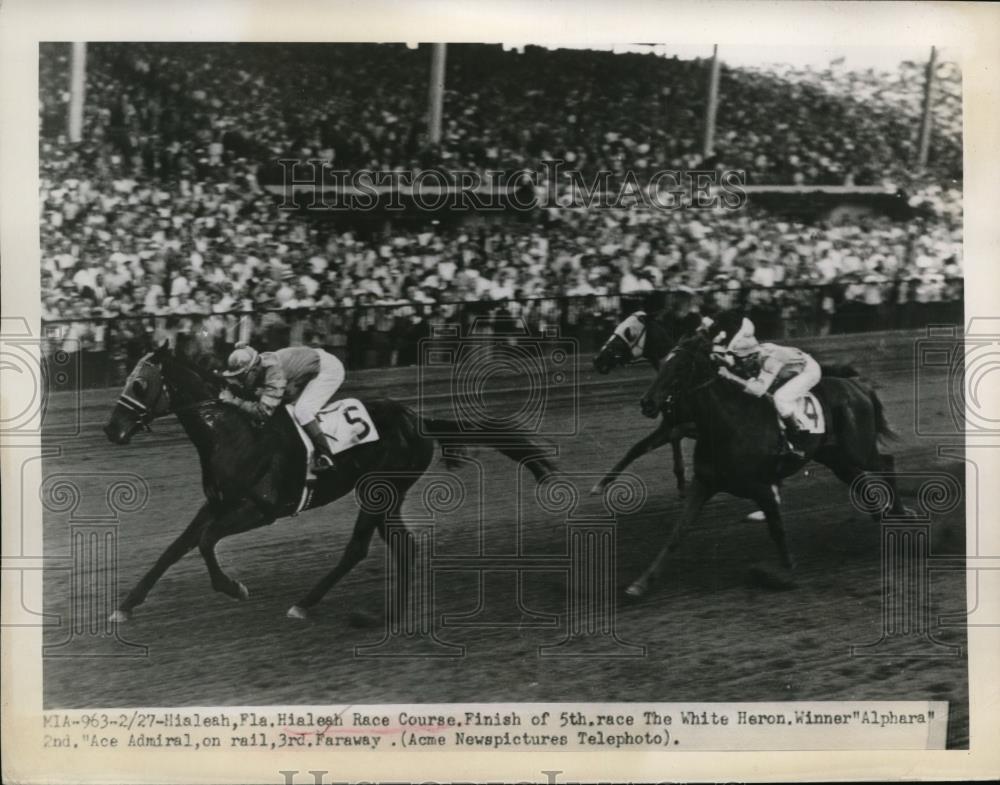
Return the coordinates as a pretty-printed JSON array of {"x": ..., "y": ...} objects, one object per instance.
[{"x": 242, "y": 360}]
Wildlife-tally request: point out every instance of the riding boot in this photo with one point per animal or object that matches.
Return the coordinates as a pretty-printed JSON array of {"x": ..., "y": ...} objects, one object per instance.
[
  {"x": 322, "y": 457},
  {"x": 791, "y": 428}
]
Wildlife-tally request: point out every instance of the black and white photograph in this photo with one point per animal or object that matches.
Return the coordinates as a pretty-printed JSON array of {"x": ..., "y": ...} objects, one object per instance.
[{"x": 521, "y": 395}]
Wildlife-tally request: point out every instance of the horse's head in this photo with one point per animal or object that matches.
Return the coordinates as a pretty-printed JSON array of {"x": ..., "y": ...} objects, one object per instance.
[
  {"x": 687, "y": 367},
  {"x": 627, "y": 343},
  {"x": 159, "y": 384},
  {"x": 143, "y": 398}
]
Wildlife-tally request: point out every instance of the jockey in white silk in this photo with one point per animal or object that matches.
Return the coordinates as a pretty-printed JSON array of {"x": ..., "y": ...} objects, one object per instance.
[{"x": 755, "y": 366}]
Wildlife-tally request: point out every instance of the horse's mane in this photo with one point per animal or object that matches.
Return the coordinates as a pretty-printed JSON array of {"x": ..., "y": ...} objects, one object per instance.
[
  {"x": 697, "y": 341},
  {"x": 199, "y": 367}
]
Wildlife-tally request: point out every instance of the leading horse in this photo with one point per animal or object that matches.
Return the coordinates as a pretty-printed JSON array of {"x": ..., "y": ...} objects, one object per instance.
[
  {"x": 252, "y": 476},
  {"x": 737, "y": 449}
]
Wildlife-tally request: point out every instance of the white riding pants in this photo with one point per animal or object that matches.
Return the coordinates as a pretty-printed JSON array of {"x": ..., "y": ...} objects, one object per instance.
[
  {"x": 786, "y": 395},
  {"x": 320, "y": 390}
]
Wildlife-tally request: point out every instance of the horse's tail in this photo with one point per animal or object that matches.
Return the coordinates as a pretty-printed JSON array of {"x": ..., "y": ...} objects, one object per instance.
[
  {"x": 839, "y": 370},
  {"x": 514, "y": 445},
  {"x": 882, "y": 426}
]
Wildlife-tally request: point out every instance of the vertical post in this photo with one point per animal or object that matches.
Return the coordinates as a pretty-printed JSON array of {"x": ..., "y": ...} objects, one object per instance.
[
  {"x": 77, "y": 90},
  {"x": 435, "y": 95},
  {"x": 925, "y": 120},
  {"x": 713, "y": 100}
]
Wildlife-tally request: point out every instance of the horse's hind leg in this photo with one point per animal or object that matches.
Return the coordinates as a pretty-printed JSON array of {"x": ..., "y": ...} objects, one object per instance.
[
  {"x": 770, "y": 504},
  {"x": 848, "y": 472},
  {"x": 244, "y": 518},
  {"x": 356, "y": 550},
  {"x": 187, "y": 540},
  {"x": 675, "y": 444}
]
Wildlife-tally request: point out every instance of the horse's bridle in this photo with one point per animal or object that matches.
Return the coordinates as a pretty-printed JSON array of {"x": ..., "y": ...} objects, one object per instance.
[
  {"x": 147, "y": 413},
  {"x": 632, "y": 345},
  {"x": 668, "y": 399}
]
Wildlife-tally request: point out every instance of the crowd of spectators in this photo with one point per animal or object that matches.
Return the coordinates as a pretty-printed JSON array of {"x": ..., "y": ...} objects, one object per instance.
[
  {"x": 158, "y": 212},
  {"x": 218, "y": 110},
  {"x": 120, "y": 246}
]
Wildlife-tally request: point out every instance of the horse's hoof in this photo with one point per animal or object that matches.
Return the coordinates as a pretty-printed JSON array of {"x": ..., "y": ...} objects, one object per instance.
[
  {"x": 119, "y": 617},
  {"x": 242, "y": 592},
  {"x": 597, "y": 489},
  {"x": 635, "y": 592},
  {"x": 297, "y": 612},
  {"x": 756, "y": 516}
]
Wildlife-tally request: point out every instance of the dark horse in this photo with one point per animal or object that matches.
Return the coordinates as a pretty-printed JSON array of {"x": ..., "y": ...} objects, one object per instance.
[
  {"x": 252, "y": 476},
  {"x": 737, "y": 448},
  {"x": 644, "y": 337}
]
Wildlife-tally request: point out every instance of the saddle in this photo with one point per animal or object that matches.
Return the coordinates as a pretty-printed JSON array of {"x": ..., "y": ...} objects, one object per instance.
[{"x": 345, "y": 423}]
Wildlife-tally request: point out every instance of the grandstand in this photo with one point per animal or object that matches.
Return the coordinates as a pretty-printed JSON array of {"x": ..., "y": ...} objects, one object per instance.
[{"x": 157, "y": 222}]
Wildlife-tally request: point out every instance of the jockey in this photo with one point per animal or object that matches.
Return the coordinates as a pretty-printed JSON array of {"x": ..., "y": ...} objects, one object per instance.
[
  {"x": 302, "y": 374},
  {"x": 756, "y": 367}
]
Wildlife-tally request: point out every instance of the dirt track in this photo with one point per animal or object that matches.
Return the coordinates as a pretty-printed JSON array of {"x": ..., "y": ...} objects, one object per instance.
[{"x": 709, "y": 634}]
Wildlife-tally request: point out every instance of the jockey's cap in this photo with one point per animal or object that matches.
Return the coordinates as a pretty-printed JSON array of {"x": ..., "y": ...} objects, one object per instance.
[
  {"x": 744, "y": 343},
  {"x": 243, "y": 358}
]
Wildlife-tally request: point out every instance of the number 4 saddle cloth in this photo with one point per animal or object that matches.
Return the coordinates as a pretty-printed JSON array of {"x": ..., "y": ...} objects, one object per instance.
[{"x": 809, "y": 414}]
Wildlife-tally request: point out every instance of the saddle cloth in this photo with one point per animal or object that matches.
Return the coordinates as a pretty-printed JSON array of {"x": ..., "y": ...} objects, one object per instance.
[
  {"x": 809, "y": 414},
  {"x": 346, "y": 424}
]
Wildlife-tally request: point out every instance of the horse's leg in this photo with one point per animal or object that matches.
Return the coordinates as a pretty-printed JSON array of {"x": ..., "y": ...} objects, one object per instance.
[
  {"x": 244, "y": 518},
  {"x": 187, "y": 540},
  {"x": 403, "y": 557},
  {"x": 675, "y": 444},
  {"x": 700, "y": 493},
  {"x": 769, "y": 500},
  {"x": 356, "y": 550},
  {"x": 888, "y": 465},
  {"x": 656, "y": 439},
  {"x": 847, "y": 471}
]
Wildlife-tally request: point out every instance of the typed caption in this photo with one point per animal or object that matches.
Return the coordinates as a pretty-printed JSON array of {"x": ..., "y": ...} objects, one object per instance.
[{"x": 515, "y": 727}]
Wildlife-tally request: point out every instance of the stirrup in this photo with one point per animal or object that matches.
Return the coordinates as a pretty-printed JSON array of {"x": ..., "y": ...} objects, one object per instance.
[{"x": 322, "y": 463}]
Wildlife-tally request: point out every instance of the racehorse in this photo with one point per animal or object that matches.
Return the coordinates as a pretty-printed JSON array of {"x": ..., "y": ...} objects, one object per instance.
[
  {"x": 643, "y": 337},
  {"x": 737, "y": 449},
  {"x": 252, "y": 476}
]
